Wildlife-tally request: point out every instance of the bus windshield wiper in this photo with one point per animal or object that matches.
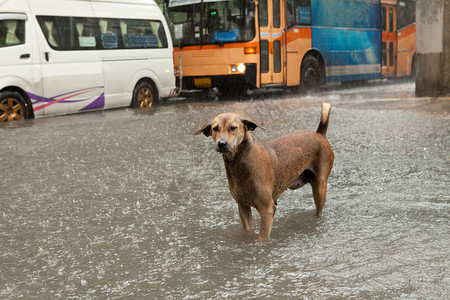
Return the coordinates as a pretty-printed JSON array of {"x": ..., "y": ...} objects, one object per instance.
[{"x": 219, "y": 41}]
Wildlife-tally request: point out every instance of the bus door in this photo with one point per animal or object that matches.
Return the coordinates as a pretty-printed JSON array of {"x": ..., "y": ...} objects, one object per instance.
[
  {"x": 272, "y": 59},
  {"x": 388, "y": 39}
]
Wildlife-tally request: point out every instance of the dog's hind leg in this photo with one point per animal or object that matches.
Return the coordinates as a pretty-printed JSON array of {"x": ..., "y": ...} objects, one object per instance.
[
  {"x": 319, "y": 189},
  {"x": 245, "y": 212}
]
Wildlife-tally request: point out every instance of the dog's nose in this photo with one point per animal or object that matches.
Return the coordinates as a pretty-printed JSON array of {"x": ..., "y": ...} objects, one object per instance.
[{"x": 222, "y": 145}]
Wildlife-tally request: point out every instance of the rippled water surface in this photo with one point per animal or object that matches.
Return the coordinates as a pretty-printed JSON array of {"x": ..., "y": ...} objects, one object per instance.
[{"x": 129, "y": 204}]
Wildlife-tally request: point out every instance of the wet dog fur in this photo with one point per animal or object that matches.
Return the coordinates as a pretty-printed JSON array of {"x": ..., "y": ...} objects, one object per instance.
[{"x": 258, "y": 173}]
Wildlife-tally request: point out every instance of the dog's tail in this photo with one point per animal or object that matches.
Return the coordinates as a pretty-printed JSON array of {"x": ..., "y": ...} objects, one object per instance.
[{"x": 324, "y": 119}]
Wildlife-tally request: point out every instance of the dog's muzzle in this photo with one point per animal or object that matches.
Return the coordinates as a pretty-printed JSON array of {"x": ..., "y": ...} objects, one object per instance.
[{"x": 222, "y": 146}]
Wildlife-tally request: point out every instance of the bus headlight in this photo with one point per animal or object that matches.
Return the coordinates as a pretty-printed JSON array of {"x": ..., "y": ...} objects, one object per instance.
[{"x": 238, "y": 68}]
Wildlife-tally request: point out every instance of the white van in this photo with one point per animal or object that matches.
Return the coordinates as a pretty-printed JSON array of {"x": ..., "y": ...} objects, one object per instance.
[{"x": 66, "y": 56}]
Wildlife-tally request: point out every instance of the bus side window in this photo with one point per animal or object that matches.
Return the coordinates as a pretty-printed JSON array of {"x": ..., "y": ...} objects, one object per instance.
[
  {"x": 290, "y": 14},
  {"x": 298, "y": 12},
  {"x": 263, "y": 13},
  {"x": 264, "y": 56},
  {"x": 304, "y": 12},
  {"x": 383, "y": 54},
  {"x": 12, "y": 32},
  {"x": 391, "y": 54},
  {"x": 276, "y": 13},
  {"x": 391, "y": 19},
  {"x": 405, "y": 13},
  {"x": 383, "y": 19}
]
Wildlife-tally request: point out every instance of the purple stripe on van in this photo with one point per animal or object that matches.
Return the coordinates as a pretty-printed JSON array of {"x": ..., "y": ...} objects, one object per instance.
[
  {"x": 96, "y": 93},
  {"x": 98, "y": 103}
]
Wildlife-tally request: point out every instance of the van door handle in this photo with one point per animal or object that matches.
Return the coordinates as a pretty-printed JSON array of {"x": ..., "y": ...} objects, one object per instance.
[
  {"x": 23, "y": 56},
  {"x": 46, "y": 56}
]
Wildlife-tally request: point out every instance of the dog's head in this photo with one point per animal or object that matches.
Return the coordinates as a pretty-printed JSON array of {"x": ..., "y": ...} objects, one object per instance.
[{"x": 228, "y": 131}]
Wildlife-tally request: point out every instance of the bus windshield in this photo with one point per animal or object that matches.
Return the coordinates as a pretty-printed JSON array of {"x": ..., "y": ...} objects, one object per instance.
[{"x": 207, "y": 22}]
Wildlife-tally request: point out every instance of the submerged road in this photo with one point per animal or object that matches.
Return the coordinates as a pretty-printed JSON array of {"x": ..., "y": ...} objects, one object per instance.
[{"x": 129, "y": 204}]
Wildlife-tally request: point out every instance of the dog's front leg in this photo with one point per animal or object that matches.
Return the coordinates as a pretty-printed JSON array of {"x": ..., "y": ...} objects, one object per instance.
[
  {"x": 267, "y": 214},
  {"x": 245, "y": 212}
]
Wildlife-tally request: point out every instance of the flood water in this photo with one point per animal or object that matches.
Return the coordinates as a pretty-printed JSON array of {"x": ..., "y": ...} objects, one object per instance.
[{"x": 129, "y": 204}]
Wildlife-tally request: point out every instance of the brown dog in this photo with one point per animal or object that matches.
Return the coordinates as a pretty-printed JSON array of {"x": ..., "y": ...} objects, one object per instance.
[{"x": 258, "y": 173}]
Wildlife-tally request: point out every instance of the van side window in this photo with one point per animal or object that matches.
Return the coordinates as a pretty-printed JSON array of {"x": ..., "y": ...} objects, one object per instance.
[
  {"x": 109, "y": 33},
  {"x": 86, "y": 32},
  {"x": 51, "y": 31},
  {"x": 73, "y": 33},
  {"x": 12, "y": 32},
  {"x": 143, "y": 34}
]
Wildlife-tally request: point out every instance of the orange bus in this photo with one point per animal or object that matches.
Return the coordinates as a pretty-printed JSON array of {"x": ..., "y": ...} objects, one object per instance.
[
  {"x": 236, "y": 45},
  {"x": 398, "y": 46}
]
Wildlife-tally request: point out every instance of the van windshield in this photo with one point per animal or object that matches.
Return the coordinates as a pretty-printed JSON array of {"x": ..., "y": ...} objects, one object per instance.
[{"x": 198, "y": 22}]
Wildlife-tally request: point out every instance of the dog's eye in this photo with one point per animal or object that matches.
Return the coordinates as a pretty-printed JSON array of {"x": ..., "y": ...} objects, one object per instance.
[
  {"x": 233, "y": 128},
  {"x": 215, "y": 129}
]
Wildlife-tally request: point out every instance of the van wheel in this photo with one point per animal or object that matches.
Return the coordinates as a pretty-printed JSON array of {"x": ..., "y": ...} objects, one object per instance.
[
  {"x": 144, "y": 95},
  {"x": 12, "y": 107},
  {"x": 311, "y": 74}
]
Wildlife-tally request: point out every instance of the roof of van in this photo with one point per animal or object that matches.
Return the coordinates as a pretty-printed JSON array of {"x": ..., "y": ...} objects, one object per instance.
[
  {"x": 147, "y": 2},
  {"x": 125, "y": 1}
]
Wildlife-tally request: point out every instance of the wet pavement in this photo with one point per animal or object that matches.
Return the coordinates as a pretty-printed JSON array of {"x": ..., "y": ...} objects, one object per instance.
[{"x": 129, "y": 204}]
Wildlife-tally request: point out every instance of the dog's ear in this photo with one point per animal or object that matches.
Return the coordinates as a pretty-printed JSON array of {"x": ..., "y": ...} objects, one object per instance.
[
  {"x": 206, "y": 130},
  {"x": 251, "y": 125}
]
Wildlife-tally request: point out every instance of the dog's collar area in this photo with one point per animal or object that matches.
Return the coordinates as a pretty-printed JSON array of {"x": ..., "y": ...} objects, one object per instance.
[
  {"x": 226, "y": 159},
  {"x": 241, "y": 148}
]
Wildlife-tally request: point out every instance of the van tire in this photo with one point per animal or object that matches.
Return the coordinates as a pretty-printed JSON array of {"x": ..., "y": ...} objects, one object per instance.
[
  {"x": 144, "y": 95},
  {"x": 311, "y": 74},
  {"x": 12, "y": 107}
]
